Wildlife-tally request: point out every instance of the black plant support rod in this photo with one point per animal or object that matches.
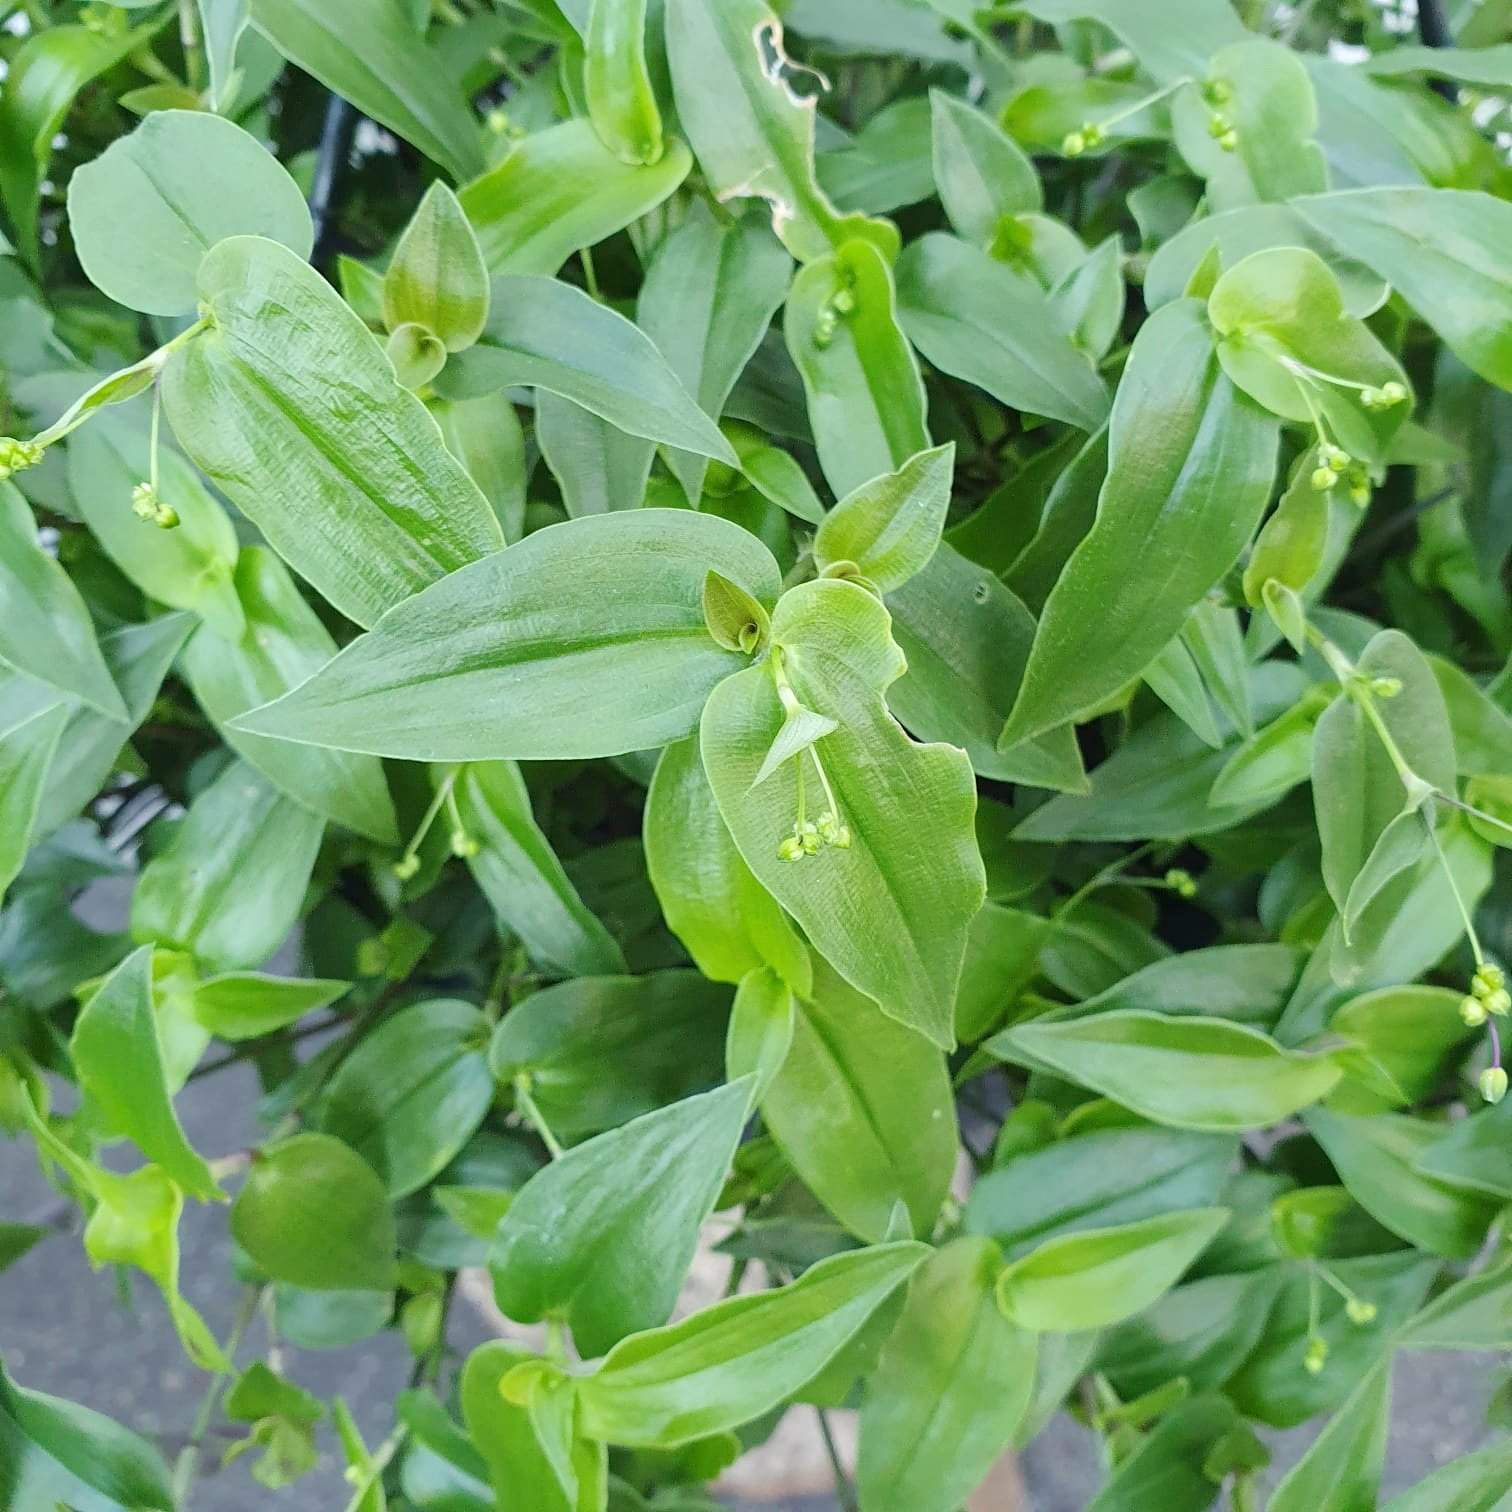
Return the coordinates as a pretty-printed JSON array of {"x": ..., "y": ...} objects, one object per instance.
[
  {"x": 336, "y": 133},
  {"x": 1433, "y": 28}
]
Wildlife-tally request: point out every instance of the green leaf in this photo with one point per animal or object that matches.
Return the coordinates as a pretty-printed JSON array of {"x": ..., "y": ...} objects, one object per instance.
[
  {"x": 1482, "y": 728},
  {"x": 950, "y": 1388},
  {"x": 1408, "y": 1035},
  {"x": 1285, "y": 337},
  {"x": 485, "y": 436},
  {"x": 1376, "y": 1159},
  {"x": 188, "y": 567},
  {"x": 243, "y": 1005},
  {"x": 1292, "y": 544},
  {"x": 57, "y": 1452},
  {"x": 42, "y": 78},
  {"x": 888, "y": 912},
  {"x": 559, "y": 190},
  {"x": 231, "y": 883},
  {"x": 585, "y": 639},
  {"x": 865, "y": 395},
  {"x": 535, "y": 1457},
  {"x": 642, "y": 1190},
  {"x": 889, "y": 527},
  {"x": 976, "y": 319},
  {"x": 1191, "y": 467},
  {"x": 1171, "y": 40},
  {"x": 725, "y": 918},
  {"x": 412, "y": 1091},
  {"x": 1190, "y": 1072},
  {"x": 314, "y": 1213},
  {"x": 1434, "y": 247},
  {"x": 1475, "y": 1482},
  {"x": 598, "y": 467},
  {"x": 370, "y": 55},
  {"x": 1473, "y": 1153},
  {"x": 707, "y": 299},
  {"x": 522, "y": 878},
  {"x": 437, "y": 277},
  {"x": 222, "y": 25},
  {"x": 1102, "y": 1276},
  {"x": 616, "y": 83},
  {"x": 1002, "y": 954},
  {"x": 762, "y": 1025},
  {"x": 1168, "y": 1468},
  {"x": 1473, "y": 1313},
  {"x": 284, "y": 643},
  {"x": 981, "y": 172},
  {"x": 545, "y": 334},
  {"x": 147, "y": 210},
  {"x": 1341, "y": 1472},
  {"x": 732, "y": 1362},
  {"x": 119, "y": 1061},
  {"x": 752, "y": 131},
  {"x": 1100, "y": 1179},
  {"x": 45, "y": 631},
  {"x": 862, "y": 1109},
  {"x": 600, "y": 1051},
  {"x": 369, "y": 505}
]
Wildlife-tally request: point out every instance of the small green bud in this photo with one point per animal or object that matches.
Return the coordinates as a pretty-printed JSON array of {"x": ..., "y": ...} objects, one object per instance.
[
  {"x": 1094, "y": 133},
  {"x": 1472, "y": 1012},
  {"x": 1385, "y": 687},
  {"x": 1324, "y": 478},
  {"x": 1359, "y": 1311},
  {"x": 1498, "y": 1002},
  {"x": 1488, "y": 978},
  {"x": 144, "y": 501},
  {"x": 1387, "y": 396},
  {"x": 463, "y": 845},
  {"x": 1229, "y": 141},
  {"x": 1317, "y": 1355},
  {"x": 406, "y": 866},
  {"x": 1217, "y": 92},
  {"x": 16, "y": 456},
  {"x": 1359, "y": 494},
  {"x": 844, "y": 302},
  {"x": 1073, "y": 144},
  {"x": 808, "y": 837},
  {"x": 1493, "y": 1084},
  {"x": 825, "y": 327},
  {"x": 790, "y": 848},
  {"x": 165, "y": 517},
  {"x": 1181, "y": 882},
  {"x": 1335, "y": 457},
  {"x": 1219, "y": 125}
]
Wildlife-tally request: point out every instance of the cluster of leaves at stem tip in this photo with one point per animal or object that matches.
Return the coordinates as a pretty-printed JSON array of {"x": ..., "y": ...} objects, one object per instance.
[{"x": 856, "y": 646}]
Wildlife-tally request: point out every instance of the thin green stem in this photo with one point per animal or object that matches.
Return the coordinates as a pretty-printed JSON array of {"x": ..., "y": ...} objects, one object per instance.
[
  {"x": 590, "y": 273},
  {"x": 187, "y": 1465},
  {"x": 1459, "y": 902},
  {"x": 156, "y": 435},
  {"x": 189, "y": 36},
  {"x": 1102, "y": 878},
  {"x": 377, "y": 1465},
  {"x": 527, "y": 1105},
  {"x": 428, "y": 818},
  {"x": 845, "y": 1493}
]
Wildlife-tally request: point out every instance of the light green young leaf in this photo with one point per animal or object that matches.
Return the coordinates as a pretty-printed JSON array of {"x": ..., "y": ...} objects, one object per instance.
[
  {"x": 761, "y": 1032},
  {"x": 729, "y": 923},
  {"x": 616, "y": 83},
  {"x": 45, "y": 631},
  {"x": 369, "y": 54},
  {"x": 284, "y": 643},
  {"x": 752, "y": 130},
  {"x": 1103, "y": 1276},
  {"x": 975, "y": 319},
  {"x": 437, "y": 278},
  {"x": 1376, "y": 1159},
  {"x": 542, "y": 333},
  {"x": 890, "y": 910},
  {"x": 313, "y": 1213},
  {"x": 707, "y": 300},
  {"x": 966, "y": 639},
  {"x": 231, "y": 883},
  {"x": 1342, "y": 1469},
  {"x": 597, "y": 466},
  {"x": 981, "y": 172},
  {"x": 118, "y": 1058},
  {"x": 952, "y": 1384},
  {"x": 643, "y": 1190},
  {"x": 1191, "y": 466},
  {"x": 412, "y": 1092},
  {"x": 865, "y": 395},
  {"x": 1292, "y": 543},
  {"x": 585, "y": 639},
  {"x": 1089, "y": 300},
  {"x": 188, "y": 567},
  {"x": 58, "y": 1452},
  {"x": 222, "y": 25},
  {"x": 890, "y": 526},
  {"x": 732, "y": 1362},
  {"x": 243, "y": 1005},
  {"x": 600, "y": 1051},
  {"x": 1174, "y": 678},
  {"x": 522, "y": 878},
  {"x": 368, "y": 506},
  {"x": 862, "y": 1109},
  {"x": 1435, "y": 247},
  {"x": 27, "y": 749},
  {"x": 147, "y": 210},
  {"x": 561, "y": 189},
  {"x": 800, "y": 731},
  {"x": 1286, "y": 339},
  {"x": 1190, "y": 1072},
  {"x": 485, "y": 436}
]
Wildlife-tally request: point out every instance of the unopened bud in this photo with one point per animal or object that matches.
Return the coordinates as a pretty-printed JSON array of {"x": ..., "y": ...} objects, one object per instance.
[
  {"x": 1472, "y": 1011},
  {"x": 1488, "y": 978},
  {"x": 1217, "y": 92},
  {"x": 1493, "y": 1084},
  {"x": 1181, "y": 882},
  {"x": 1385, "y": 687},
  {"x": 1218, "y": 124},
  {"x": 463, "y": 845},
  {"x": 1229, "y": 141},
  {"x": 790, "y": 848},
  {"x": 844, "y": 301},
  {"x": 406, "y": 867},
  {"x": 1359, "y": 1311},
  {"x": 1073, "y": 144},
  {"x": 1324, "y": 478},
  {"x": 1498, "y": 1002},
  {"x": 1316, "y": 1356},
  {"x": 165, "y": 517},
  {"x": 16, "y": 456}
]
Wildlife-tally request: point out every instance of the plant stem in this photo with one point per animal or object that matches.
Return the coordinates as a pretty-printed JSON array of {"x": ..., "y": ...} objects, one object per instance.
[
  {"x": 187, "y": 1465},
  {"x": 527, "y": 1106},
  {"x": 189, "y": 36},
  {"x": 845, "y": 1493}
]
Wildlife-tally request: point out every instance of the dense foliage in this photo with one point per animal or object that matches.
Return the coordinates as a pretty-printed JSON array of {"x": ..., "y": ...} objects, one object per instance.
[{"x": 877, "y": 636}]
